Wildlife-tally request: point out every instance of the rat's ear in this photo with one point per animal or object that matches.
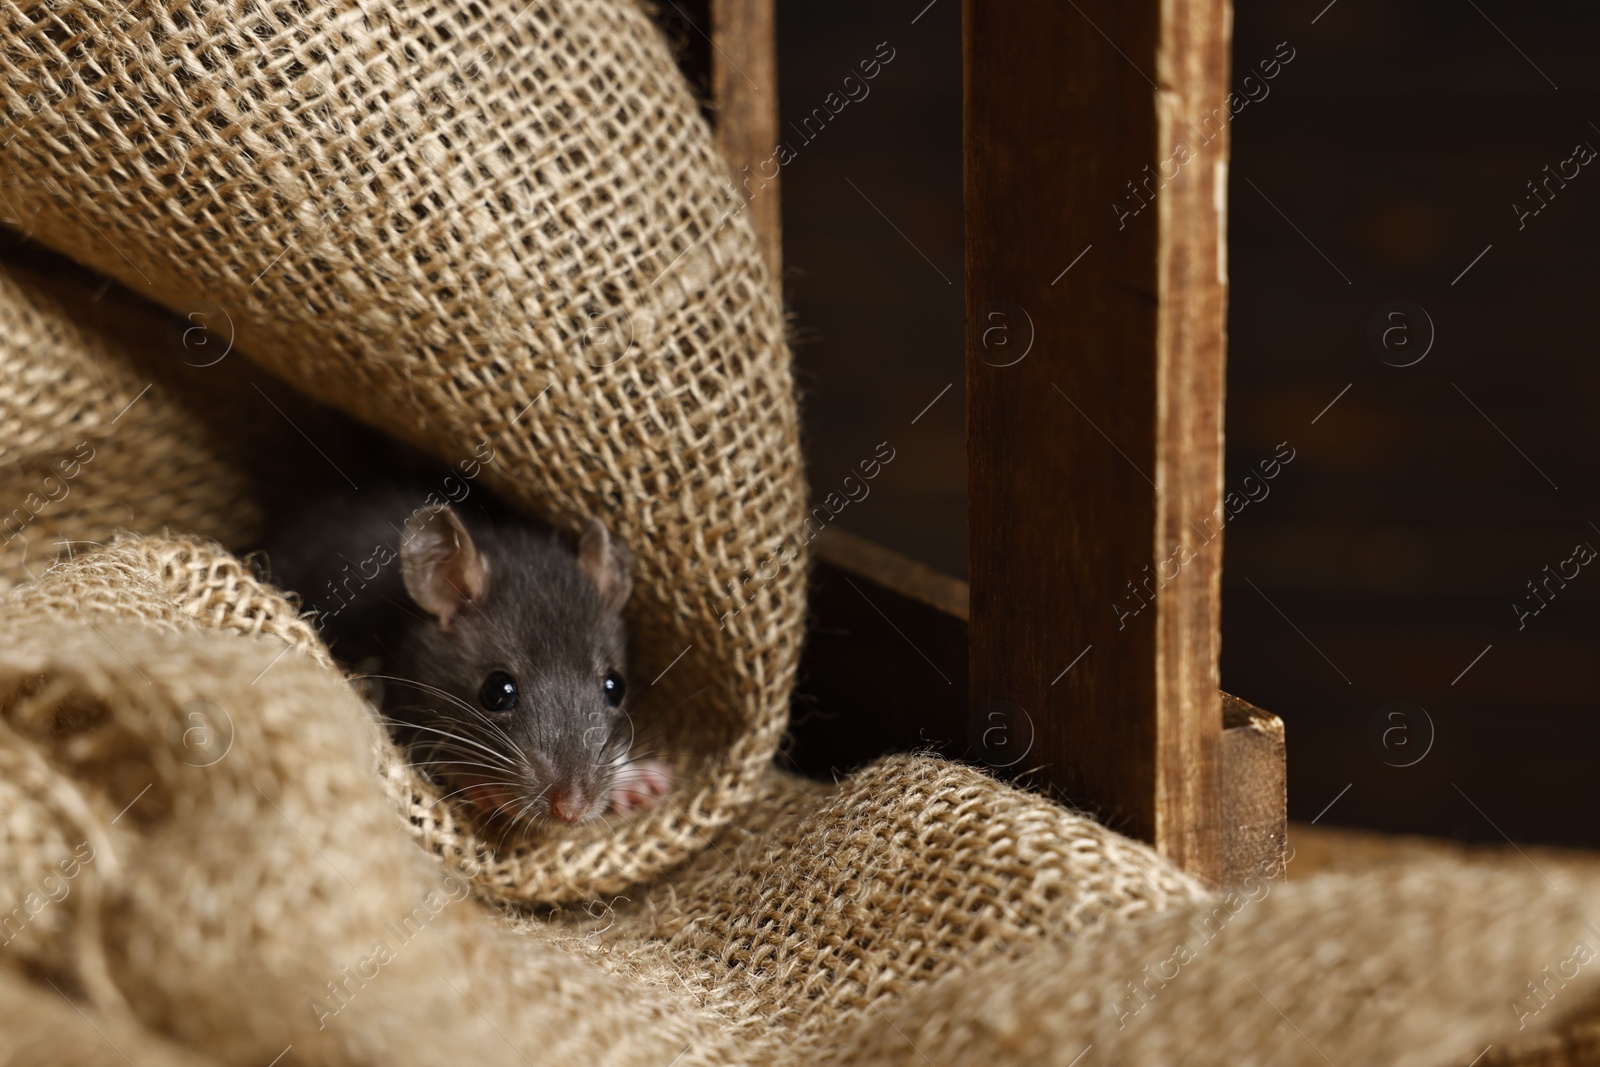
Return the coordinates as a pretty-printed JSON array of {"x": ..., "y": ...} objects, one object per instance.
[
  {"x": 607, "y": 563},
  {"x": 443, "y": 569}
]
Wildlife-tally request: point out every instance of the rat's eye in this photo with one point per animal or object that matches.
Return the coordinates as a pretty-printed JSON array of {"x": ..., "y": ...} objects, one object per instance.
[
  {"x": 499, "y": 692},
  {"x": 614, "y": 687}
]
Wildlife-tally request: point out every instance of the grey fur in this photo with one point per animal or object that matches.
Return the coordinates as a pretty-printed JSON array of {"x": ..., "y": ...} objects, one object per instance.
[{"x": 540, "y": 619}]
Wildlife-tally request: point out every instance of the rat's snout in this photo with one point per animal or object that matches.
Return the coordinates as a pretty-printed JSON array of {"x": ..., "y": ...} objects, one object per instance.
[{"x": 568, "y": 802}]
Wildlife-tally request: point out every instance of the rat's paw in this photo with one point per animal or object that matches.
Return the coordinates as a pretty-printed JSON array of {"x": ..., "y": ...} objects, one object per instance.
[{"x": 639, "y": 785}]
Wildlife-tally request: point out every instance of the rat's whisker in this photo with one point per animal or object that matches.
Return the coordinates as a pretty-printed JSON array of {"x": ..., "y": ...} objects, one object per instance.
[
  {"x": 426, "y": 748},
  {"x": 450, "y": 742},
  {"x": 426, "y": 688},
  {"x": 514, "y": 800},
  {"x": 451, "y": 698},
  {"x": 532, "y": 805},
  {"x": 522, "y": 812},
  {"x": 502, "y": 807},
  {"x": 494, "y": 727},
  {"x": 502, "y": 757},
  {"x": 456, "y": 763},
  {"x": 464, "y": 788},
  {"x": 444, "y": 694},
  {"x": 436, "y": 758}
]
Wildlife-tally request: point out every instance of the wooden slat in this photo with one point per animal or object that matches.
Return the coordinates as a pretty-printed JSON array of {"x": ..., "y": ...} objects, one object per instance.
[
  {"x": 887, "y": 656},
  {"x": 885, "y": 661},
  {"x": 1099, "y": 453},
  {"x": 744, "y": 89},
  {"x": 866, "y": 687},
  {"x": 893, "y": 572},
  {"x": 1255, "y": 794}
]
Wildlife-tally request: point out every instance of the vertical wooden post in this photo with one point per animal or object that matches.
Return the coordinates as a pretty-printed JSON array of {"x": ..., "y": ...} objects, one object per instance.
[
  {"x": 1095, "y": 246},
  {"x": 744, "y": 91}
]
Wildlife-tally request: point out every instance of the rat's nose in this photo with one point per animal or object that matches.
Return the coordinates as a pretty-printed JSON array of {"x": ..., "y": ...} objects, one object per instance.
[{"x": 568, "y": 803}]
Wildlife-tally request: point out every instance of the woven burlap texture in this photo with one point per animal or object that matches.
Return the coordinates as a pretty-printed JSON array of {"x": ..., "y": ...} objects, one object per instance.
[
  {"x": 505, "y": 228},
  {"x": 247, "y": 889},
  {"x": 504, "y": 231}
]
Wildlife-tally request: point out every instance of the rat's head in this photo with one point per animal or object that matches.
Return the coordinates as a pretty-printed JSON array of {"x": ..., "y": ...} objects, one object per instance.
[{"x": 515, "y": 661}]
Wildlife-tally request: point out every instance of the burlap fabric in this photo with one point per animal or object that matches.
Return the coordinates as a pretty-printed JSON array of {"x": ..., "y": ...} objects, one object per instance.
[
  {"x": 249, "y": 892},
  {"x": 505, "y": 228},
  {"x": 501, "y": 230}
]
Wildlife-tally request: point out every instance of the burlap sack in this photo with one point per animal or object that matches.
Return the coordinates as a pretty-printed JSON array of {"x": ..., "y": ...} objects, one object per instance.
[
  {"x": 467, "y": 225},
  {"x": 505, "y": 226}
]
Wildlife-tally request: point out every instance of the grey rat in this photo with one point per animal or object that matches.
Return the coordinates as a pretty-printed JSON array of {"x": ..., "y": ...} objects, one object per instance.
[{"x": 502, "y": 647}]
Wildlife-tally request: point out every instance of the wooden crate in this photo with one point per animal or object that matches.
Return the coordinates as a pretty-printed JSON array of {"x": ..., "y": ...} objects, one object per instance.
[{"x": 1087, "y": 640}]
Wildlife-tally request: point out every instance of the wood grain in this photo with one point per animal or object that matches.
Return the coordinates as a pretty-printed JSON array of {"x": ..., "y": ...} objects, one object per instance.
[
  {"x": 867, "y": 686},
  {"x": 1096, "y": 457},
  {"x": 744, "y": 90}
]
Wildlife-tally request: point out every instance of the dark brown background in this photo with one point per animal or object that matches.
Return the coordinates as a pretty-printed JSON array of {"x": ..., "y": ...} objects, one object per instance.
[{"x": 1395, "y": 544}]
